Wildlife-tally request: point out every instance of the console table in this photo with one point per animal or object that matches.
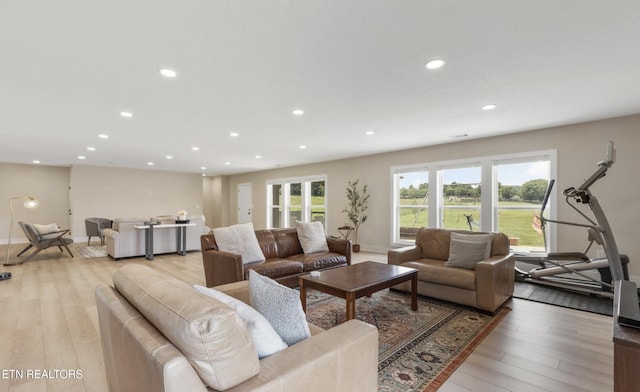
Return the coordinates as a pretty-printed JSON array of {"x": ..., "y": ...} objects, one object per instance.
[{"x": 181, "y": 237}]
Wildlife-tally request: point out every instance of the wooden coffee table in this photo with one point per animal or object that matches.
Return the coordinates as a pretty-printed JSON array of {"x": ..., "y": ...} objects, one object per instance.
[{"x": 357, "y": 280}]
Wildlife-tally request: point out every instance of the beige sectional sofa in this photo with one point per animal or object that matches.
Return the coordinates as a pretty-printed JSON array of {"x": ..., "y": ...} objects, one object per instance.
[
  {"x": 485, "y": 287},
  {"x": 159, "y": 334},
  {"x": 124, "y": 240}
]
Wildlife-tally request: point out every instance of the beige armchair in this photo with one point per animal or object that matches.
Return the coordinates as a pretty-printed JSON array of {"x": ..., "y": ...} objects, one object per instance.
[{"x": 486, "y": 287}]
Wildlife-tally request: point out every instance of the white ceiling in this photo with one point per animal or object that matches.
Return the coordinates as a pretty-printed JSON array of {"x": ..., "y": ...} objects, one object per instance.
[{"x": 68, "y": 68}]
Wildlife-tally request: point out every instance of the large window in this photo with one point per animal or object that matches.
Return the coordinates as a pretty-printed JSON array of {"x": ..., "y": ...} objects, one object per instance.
[
  {"x": 460, "y": 198},
  {"x": 521, "y": 189},
  {"x": 295, "y": 199},
  {"x": 500, "y": 193},
  {"x": 412, "y": 202}
]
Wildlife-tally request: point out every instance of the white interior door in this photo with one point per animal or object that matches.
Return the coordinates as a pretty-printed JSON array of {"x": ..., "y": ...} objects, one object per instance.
[{"x": 245, "y": 205}]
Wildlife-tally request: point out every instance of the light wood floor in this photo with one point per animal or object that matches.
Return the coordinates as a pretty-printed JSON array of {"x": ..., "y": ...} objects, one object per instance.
[{"x": 48, "y": 321}]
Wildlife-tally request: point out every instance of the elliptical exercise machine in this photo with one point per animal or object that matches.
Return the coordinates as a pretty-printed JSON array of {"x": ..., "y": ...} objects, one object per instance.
[{"x": 568, "y": 270}]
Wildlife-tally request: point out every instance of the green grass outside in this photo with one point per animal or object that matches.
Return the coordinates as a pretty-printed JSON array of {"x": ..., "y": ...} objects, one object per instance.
[{"x": 514, "y": 223}]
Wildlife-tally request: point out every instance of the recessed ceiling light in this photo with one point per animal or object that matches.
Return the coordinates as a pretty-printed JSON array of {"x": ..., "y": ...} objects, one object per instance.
[
  {"x": 258, "y": 156},
  {"x": 227, "y": 163},
  {"x": 302, "y": 147},
  {"x": 103, "y": 136},
  {"x": 435, "y": 64},
  {"x": 149, "y": 163},
  {"x": 36, "y": 161},
  {"x": 369, "y": 133},
  {"x": 168, "y": 73},
  {"x": 298, "y": 112},
  {"x": 195, "y": 148},
  {"x": 126, "y": 114},
  {"x": 490, "y": 106},
  {"x": 169, "y": 156},
  {"x": 81, "y": 157},
  {"x": 203, "y": 168},
  {"x": 234, "y": 134},
  {"x": 91, "y": 148}
]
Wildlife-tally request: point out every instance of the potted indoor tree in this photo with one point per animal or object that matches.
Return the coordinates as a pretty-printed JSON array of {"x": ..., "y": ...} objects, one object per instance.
[{"x": 358, "y": 199}]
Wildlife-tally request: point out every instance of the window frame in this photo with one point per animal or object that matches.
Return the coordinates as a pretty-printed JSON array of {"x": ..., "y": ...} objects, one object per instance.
[
  {"x": 440, "y": 207},
  {"x": 305, "y": 199},
  {"x": 395, "y": 196},
  {"x": 489, "y": 196}
]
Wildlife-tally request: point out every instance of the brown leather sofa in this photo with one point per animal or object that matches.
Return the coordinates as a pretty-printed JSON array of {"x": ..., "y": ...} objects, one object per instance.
[
  {"x": 285, "y": 260},
  {"x": 485, "y": 288},
  {"x": 160, "y": 335}
]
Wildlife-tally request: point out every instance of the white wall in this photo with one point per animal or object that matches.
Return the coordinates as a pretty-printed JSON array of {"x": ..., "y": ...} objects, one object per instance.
[
  {"x": 579, "y": 147},
  {"x": 216, "y": 200},
  {"x": 49, "y": 184},
  {"x": 69, "y": 195},
  {"x": 115, "y": 192}
]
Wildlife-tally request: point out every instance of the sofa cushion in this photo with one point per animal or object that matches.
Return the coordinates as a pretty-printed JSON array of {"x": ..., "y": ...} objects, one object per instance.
[
  {"x": 281, "y": 306},
  {"x": 287, "y": 242},
  {"x": 239, "y": 239},
  {"x": 267, "y": 243},
  {"x": 316, "y": 261},
  {"x": 265, "y": 338},
  {"x": 312, "y": 237},
  {"x": 434, "y": 271},
  {"x": 485, "y": 238},
  {"x": 434, "y": 243},
  {"x": 466, "y": 254},
  {"x": 275, "y": 268},
  {"x": 128, "y": 219},
  {"x": 209, "y": 333},
  {"x": 47, "y": 232}
]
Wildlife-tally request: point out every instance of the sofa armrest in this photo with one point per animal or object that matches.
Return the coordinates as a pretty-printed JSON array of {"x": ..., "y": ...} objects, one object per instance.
[
  {"x": 238, "y": 290},
  {"x": 402, "y": 255},
  {"x": 221, "y": 267},
  {"x": 343, "y": 358},
  {"x": 110, "y": 233},
  {"x": 341, "y": 246},
  {"x": 495, "y": 281}
]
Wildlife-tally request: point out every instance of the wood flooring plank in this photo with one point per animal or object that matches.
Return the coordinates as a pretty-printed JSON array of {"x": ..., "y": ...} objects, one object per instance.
[
  {"x": 465, "y": 382},
  {"x": 554, "y": 373},
  {"x": 501, "y": 379}
]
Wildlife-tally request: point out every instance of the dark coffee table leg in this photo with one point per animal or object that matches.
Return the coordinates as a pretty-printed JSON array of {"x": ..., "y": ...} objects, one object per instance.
[
  {"x": 414, "y": 292},
  {"x": 351, "y": 306},
  {"x": 303, "y": 295}
]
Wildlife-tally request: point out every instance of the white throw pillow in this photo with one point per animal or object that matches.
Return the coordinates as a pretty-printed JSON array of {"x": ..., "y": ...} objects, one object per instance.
[
  {"x": 241, "y": 240},
  {"x": 47, "y": 232},
  {"x": 312, "y": 237},
  {"x": 281, "y": 306},
  {"x": 487, "y": 238},
  {"x": 265, "y": 338},
  {"x": 466, "y": 254}
]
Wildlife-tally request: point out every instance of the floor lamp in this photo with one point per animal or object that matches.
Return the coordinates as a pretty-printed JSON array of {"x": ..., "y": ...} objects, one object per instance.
[{"x": 29, "y": 202}]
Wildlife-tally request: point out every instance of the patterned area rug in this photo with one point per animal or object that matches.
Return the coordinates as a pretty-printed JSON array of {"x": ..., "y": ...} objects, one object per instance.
[
  {"x": 418, "y": 350},
  {"x": 91, "y": 252}
]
